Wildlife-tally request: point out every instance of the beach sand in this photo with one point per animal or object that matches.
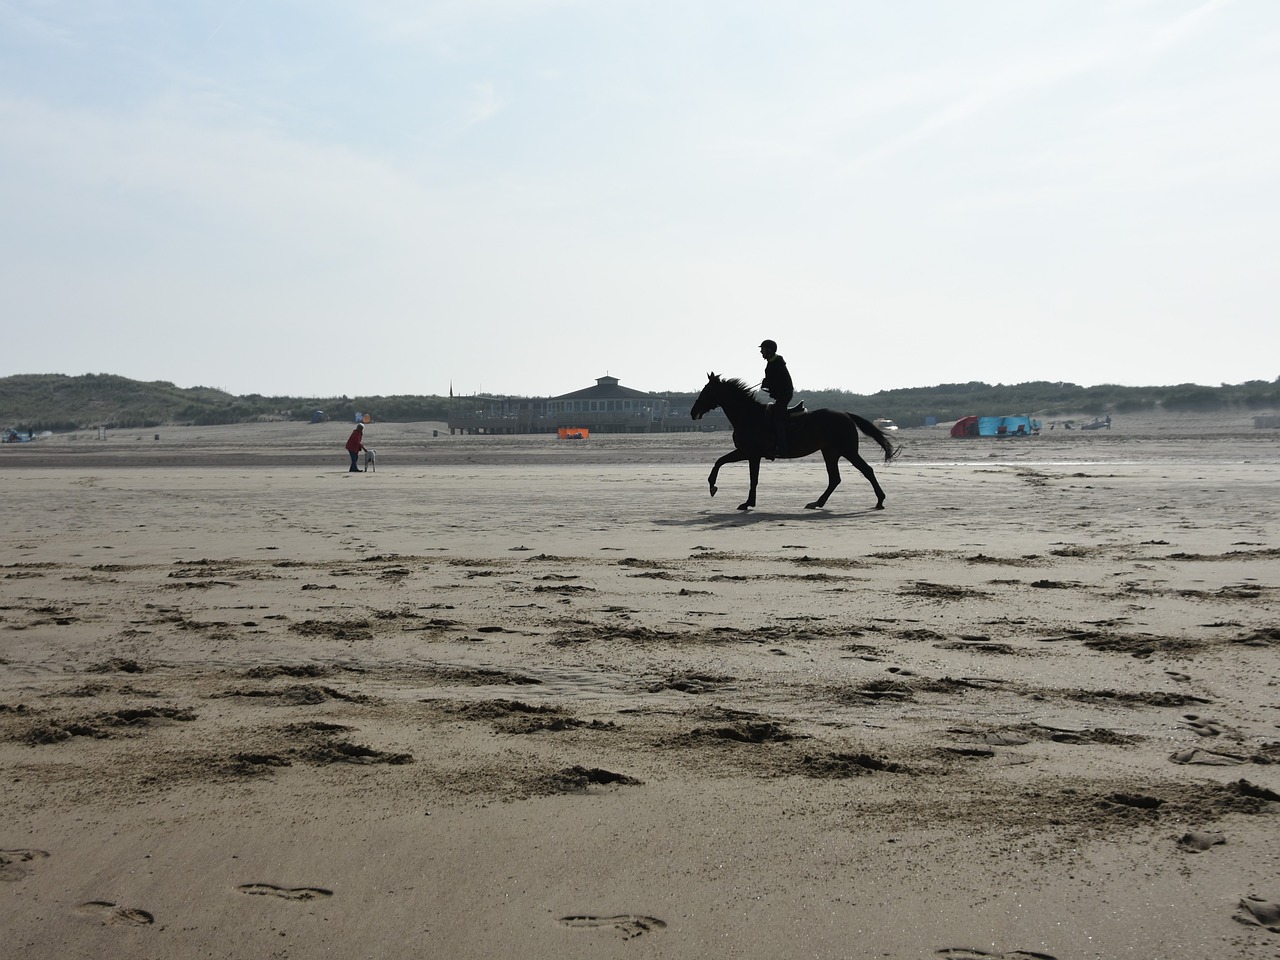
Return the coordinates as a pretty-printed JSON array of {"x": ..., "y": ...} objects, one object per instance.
[{"x": 521, "y": 697}]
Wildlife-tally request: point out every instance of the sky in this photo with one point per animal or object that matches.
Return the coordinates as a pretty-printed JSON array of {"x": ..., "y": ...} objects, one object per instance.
[{"x": 379, "y": 197}]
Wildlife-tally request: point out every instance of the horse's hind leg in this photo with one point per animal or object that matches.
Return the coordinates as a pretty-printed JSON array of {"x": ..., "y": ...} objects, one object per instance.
[
  {"x": 833, "y": 479},
  {"x": 870, "y": 474}
]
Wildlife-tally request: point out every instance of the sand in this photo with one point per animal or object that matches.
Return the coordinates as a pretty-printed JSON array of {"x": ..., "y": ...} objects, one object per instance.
[{"x": 520, "y": 697}]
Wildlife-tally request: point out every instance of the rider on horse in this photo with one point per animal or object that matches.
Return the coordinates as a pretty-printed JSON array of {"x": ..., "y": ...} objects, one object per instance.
[{"x": 777, "y": 384}]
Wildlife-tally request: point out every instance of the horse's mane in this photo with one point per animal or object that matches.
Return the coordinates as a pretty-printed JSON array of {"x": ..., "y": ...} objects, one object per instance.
[{"x": 734, "y": 383}]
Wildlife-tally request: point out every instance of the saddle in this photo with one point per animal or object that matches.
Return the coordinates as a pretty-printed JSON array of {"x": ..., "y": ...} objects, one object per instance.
[{"x": 772, "y": 439}]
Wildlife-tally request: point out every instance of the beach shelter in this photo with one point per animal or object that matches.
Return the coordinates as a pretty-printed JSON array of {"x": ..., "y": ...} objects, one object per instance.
[
  {"x": 1013, "y": 426},
  {"x": 1010, "y": 426}
]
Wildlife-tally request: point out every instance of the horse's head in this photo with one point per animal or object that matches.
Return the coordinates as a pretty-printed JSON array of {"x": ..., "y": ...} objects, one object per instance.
[{"x": 707, "y": 400}]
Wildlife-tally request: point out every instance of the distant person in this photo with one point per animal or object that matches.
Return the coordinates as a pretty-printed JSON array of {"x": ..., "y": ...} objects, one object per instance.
[
  {"x": 355, "y": 443},
  {"x": 777, "y": 384}
]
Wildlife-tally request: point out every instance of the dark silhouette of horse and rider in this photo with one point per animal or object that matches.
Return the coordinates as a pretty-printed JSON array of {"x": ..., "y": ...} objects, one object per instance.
[{"x": 775, "y": 430}]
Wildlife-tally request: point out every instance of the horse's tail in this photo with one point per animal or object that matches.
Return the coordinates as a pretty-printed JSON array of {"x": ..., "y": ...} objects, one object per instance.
[{"x": 878, "y": 435}]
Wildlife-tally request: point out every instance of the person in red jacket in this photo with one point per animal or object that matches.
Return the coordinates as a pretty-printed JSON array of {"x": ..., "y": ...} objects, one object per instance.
[{"x": 355, "y": 443}]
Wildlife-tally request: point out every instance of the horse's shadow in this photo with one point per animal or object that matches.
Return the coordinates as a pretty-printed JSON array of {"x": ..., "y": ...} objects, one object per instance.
[{"x": 747, "y": 518}]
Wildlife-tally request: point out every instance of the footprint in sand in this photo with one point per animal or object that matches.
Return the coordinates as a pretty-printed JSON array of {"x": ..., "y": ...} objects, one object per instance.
[
  {"x": 1198, "y": 841},
  {"x": 1264, "y": 913},
  {"x": 1203, "y": 726},
  {"x": 1208, "y": 758},
  {"x": 107, "y": 911},
  {"x": 13, "y": 863},
  {"x": 286, "y": 893},
  {"x": 627, "y": 924}
]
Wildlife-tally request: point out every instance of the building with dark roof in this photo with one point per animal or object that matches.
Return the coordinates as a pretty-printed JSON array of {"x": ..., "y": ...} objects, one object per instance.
[{"x": 607, "y": 407}]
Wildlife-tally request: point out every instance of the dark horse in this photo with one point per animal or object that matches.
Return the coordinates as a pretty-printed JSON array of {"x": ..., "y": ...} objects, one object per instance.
[{"x": 834, "y": 432}]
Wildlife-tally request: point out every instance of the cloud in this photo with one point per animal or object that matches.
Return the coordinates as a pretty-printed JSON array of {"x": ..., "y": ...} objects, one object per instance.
[
  {"x": 1185, "y": 27},
  {"x": 218, "y": 173},
  {"x": 483, "y": 106}
]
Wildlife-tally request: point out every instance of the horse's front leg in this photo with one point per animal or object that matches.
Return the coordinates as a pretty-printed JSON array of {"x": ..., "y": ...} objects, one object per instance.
[
  {"x": 753, "y": 467},
  {"x": 733, "y": 456}
]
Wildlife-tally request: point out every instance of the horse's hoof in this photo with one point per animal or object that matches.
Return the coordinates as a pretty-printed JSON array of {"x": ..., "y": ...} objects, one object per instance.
[
  {"x": 745, "y": 506},
  {"x": 880, "y": 505},
  {"x": 812, "y": 506},
  {"x": 713, "y": 491}
]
